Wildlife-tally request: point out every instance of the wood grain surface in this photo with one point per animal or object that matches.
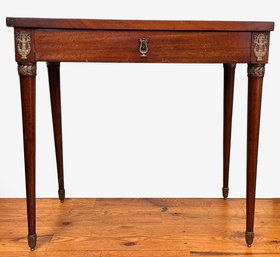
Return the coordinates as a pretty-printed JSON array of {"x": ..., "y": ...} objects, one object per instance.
[
  {"x": 139, "y": 228},
  {"x": 139, "y": 24},
  {"x": 123, "y": 46}
]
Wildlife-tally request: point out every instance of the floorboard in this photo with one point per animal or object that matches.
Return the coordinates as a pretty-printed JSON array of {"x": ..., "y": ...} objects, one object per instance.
[{"x": 140, "y": 228}]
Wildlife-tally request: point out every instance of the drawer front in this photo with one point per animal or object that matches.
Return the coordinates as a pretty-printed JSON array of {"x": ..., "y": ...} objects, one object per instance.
[{"x": 142, "y": 46}]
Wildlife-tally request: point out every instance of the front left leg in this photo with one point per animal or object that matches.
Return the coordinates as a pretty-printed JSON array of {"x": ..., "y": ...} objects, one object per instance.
[
  {"x": 255, "y": 82},
  {"x": 27, "y": 74}
]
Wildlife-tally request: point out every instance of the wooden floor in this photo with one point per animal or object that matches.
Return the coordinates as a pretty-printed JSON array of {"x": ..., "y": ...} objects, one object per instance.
[{"x": 139, "y": 228}]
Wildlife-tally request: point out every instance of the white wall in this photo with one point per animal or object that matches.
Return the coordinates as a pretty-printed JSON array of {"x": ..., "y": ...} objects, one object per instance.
[{"x": 134, "y": 130}]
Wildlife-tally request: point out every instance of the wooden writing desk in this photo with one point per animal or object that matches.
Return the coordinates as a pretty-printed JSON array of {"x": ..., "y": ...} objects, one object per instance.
[{"x": 75, "y": 40}]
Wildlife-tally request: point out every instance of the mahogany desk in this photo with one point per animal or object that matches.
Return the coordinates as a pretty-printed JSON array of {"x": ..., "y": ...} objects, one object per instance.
[{"x": 75, "y": 40}]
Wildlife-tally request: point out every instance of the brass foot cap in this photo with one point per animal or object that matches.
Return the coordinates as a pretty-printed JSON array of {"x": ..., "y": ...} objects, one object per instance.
[
  {"x": 225, "y": 192},
  {"x": 32, "y": 240},
  {"x": 61, "y": 195},
  {"x": 249, "y": 238}
]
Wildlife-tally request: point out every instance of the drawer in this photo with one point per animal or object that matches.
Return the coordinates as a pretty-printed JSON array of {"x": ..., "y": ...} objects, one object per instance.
[{"x": 124, "y": 46}]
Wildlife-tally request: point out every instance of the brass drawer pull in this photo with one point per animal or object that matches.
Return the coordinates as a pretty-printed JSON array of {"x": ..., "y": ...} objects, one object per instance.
[{"x": 143, "y": 48}]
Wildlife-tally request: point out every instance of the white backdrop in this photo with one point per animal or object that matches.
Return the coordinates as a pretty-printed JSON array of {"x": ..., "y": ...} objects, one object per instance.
[{"x": 135, "y": 130}]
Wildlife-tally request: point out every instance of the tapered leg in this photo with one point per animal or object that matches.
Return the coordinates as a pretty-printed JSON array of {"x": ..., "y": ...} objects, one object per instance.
[
  {"x": 255, "y": 81},
  {"x": 229, "y": 72},
  {"x": 54, "y": 83},
  {"x": 27, "y": 74}
]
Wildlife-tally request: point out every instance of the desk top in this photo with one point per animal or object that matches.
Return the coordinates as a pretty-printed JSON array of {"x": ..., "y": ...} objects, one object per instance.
[{"x": 94, "y": 24}]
